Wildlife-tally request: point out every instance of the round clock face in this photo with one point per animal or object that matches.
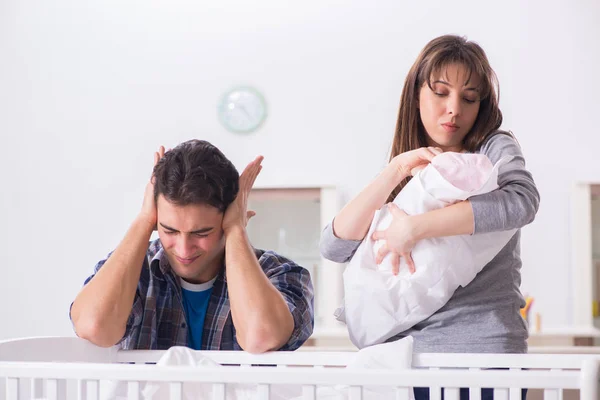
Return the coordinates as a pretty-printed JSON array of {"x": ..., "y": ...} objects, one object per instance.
[{"x": 242, "y": 110}]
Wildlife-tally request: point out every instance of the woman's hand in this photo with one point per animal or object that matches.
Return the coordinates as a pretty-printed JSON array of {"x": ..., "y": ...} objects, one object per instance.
[
  {"x": 410, "y": 162},
  {"x": 400, "y": 238}
]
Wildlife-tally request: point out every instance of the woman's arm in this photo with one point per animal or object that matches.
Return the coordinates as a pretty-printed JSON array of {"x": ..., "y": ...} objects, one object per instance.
[
  {"x": 515, "y": 203},
  {"x": 353, "y": 221},
  {"x": 406, "y": 230},
  {"x": 335, "y": 249},
  {"x": 341, "y": 238},
  {"x": 456, "y": 219},
  {"x": 511, "y": 206}
]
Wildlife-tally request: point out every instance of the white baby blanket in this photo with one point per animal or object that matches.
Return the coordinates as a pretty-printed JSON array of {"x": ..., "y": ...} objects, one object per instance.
[
  {"x": 390, "y": 356},
  {"x": 394, "y": 356},
  {"x": 379, "y": 305}
]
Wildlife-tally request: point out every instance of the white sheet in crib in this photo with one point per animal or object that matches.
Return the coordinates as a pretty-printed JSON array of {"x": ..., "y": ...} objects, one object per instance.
[
  {"x": 388, "y": 356},
  {"x": 378, "y": 305},
  {"x": 394, "y": 355}
]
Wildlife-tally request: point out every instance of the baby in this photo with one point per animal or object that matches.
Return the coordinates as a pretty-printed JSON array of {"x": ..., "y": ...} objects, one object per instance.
[{"x": 379, "y": 304}]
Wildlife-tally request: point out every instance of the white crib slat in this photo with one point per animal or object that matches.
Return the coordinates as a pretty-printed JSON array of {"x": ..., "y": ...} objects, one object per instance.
[
  {"x": 81, "y": 392},
  {"x": 62, "y": 389},
  {"x": 590, "y": 378},
  {"x": 12, "y": 389},
  {"x": 515, "y": 393},
  {"x": 263, "y": 392},
  {"x": 309, "y": 392},
  {"x": 355, "y": 393},
  {"x": 403, "y": 393},
  {"x": 92, "y": 390},
  {"x": 552, "y": 394},
  {"x": 218, "y": 391},
  {"x": 500, "y": 394},
  {"x": 133, "y": 390},
  {"x": 435, "y": 393},
  {"x": 176, "y": 390},
  {"x": 559, "y": 392},
  {"x": 24, "y": 388},
  {"x": 451, "y": 394},
  {"x": 474, "y": 392},
  {"x": 37, "y": 388},
  {"x": 51, "y": 389}
]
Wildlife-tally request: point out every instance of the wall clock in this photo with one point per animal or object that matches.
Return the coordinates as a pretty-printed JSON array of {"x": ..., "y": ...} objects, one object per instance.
[{"x": 242, "y": 110}]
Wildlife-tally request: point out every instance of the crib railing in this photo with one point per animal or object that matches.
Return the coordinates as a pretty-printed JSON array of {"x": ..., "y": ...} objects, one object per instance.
[
  {"x": 59, "y": 368},
  {"x": 506, "y": 383},
  {"x": 342, "y": 359}
]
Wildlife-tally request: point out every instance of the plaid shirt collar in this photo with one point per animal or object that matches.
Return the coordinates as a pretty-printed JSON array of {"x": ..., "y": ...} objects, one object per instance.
[{"x": 217, "y": 313}]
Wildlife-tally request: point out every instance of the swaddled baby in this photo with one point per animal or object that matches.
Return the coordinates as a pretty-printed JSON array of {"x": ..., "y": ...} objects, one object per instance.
[{"x": 379, "y": 304}]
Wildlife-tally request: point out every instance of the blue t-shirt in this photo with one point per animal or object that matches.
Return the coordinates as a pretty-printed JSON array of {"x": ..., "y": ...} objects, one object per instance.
[{"x": 195, "y": 304}]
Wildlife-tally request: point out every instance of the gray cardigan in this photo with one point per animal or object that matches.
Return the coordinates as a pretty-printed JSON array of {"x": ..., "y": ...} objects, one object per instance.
[{"x": 482, "y": 317}]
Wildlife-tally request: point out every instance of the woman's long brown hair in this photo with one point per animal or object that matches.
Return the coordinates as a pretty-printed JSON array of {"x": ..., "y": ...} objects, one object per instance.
[{"x": 439, "y": 53}]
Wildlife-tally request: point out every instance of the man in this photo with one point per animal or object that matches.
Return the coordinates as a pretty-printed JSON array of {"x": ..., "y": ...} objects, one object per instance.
[{"x": 201, "y": 284}]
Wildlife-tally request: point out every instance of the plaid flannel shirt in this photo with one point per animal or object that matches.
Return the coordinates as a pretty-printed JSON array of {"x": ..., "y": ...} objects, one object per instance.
[{"x": 157, "y": 320}]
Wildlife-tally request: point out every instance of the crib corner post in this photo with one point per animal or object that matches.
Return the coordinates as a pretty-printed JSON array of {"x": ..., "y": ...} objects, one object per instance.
[{"x": 590, "y": 379}]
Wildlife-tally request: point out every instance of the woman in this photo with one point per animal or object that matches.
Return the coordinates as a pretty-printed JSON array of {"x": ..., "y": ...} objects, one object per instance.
[{"x": 450, "y": 103}]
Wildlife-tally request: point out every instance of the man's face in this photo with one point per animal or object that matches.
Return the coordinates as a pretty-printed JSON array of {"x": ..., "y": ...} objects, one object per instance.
[{"x": 192, "y": 238}]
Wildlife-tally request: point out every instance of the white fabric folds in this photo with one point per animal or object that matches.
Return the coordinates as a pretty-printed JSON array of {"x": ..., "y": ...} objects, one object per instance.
[{"x": 379, "y": 305}]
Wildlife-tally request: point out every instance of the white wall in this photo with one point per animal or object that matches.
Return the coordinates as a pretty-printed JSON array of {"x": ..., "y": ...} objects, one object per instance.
[{"x": 88, "y": 90}]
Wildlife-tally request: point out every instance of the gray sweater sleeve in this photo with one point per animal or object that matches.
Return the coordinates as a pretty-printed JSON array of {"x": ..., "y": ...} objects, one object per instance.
[
  {"x": 516, "y": 201},
  {"x": 335, "y": 249}
]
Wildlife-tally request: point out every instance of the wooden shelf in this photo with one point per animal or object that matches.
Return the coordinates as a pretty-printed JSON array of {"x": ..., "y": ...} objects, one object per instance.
[
  {"x": 567, "y": 331},
  {"x": 278, "y": 194}
]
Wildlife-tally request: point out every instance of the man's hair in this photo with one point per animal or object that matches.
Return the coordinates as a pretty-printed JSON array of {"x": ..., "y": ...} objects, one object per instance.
[{"x": 196, "y": 172}]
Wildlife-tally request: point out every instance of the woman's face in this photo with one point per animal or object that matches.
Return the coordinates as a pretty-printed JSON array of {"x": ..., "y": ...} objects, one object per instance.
[{"x": 449, "y": 111}]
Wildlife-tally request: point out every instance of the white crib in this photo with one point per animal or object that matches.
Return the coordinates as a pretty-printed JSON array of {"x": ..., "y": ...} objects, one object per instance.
[{"x": 59, "y": 368}]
